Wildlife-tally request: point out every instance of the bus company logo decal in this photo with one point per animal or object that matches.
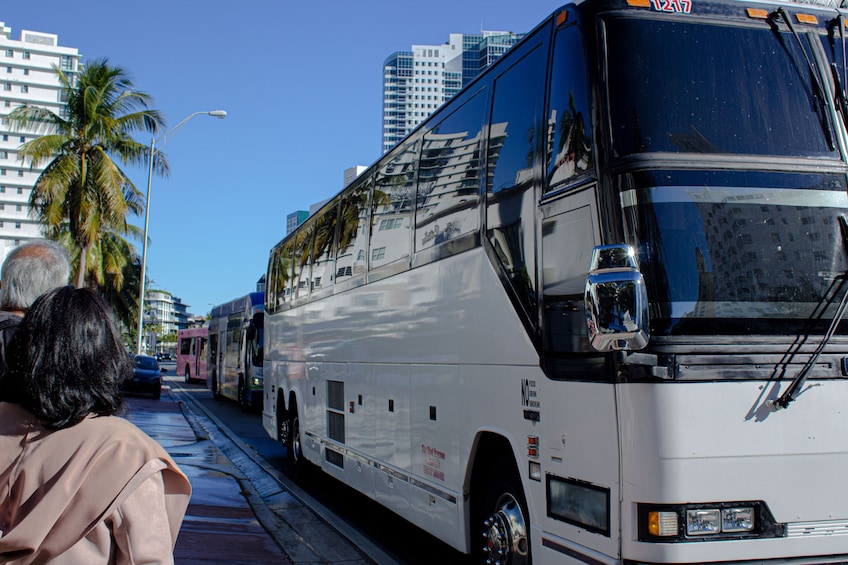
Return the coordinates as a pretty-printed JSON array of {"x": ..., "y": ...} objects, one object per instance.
[
  {"x": 433, "y": 462},
  {"x": 530, "y": 400}
]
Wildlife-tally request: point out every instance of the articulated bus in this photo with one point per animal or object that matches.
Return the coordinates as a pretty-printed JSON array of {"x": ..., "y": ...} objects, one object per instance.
[
  {"x": 235, "y": 365},
  {"x": 590, "y": 311},
  {"x": 191, "y": 353}
]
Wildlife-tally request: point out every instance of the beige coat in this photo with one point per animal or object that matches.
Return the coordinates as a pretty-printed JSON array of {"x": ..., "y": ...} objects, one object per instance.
[{"x": 101, "y": 491}]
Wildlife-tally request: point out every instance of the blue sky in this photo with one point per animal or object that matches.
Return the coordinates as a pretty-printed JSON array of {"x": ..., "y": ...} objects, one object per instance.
[{"x": 302, "y": 86}]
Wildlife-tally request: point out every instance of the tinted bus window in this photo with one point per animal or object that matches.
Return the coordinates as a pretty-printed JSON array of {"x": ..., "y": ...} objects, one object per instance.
[
  {"x": 449, "y": 177},
  {"x": 353, "y": 233},
  {"x": 279, "y": 270},
  {"x": 325, "y": 235},
  {"x": 392, "y": 201},
  {"x": 511, "y": 204},
  {"x": 569, "y": 147},
  {"x": 667, "y": 100},
  {"x": 287, "y": 267},
  {"x": 302, "y": 256}
]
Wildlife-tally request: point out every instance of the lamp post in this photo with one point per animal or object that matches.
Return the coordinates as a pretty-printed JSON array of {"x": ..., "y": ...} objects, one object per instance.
[{"x": 220, "y": 114}]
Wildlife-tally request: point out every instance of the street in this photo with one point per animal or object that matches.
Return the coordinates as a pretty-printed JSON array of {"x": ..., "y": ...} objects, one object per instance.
[{"x": 376, "y": 531}]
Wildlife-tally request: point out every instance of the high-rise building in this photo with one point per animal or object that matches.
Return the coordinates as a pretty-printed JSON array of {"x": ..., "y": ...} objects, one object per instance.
[
  {"x": 26, "y": 77},
  {"x": 295, "y": 219},
  {"x": 417, "y": 82}
]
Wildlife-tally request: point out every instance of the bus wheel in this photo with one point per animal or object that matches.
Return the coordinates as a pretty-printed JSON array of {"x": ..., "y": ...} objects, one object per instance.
[
  {"x": 243, "y": 395},
  {"x": 187, "y": 375},
  {"x": 505, "y": 528},
  {"x": 294, "y": 449},
  {"x": 214, "y": 384}
]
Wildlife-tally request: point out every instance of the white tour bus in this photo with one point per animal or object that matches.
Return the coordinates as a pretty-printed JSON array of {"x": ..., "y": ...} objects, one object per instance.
[{"x": 590, "y": 311}]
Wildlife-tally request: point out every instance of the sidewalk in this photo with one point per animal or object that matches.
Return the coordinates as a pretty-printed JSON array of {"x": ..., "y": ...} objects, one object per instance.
[{"x": 220, "y": 526}]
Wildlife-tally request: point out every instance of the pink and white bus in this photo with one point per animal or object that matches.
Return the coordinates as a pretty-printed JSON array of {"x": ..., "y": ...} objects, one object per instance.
[{"x": 191, "y": 353}]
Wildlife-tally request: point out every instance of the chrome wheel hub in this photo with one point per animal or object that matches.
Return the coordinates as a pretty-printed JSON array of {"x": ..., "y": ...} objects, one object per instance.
[{"x": 505, "y": 534}]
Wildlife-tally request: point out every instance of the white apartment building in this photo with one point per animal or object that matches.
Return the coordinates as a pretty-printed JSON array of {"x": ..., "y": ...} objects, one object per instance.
[
  {"x": 165, "y": 309},
  {"x": 417, "y": 82},
  {"x": 26, "y": 76}
]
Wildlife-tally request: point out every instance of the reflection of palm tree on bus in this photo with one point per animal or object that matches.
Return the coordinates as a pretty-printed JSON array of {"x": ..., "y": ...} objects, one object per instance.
[{"x": 573, "y": 154}]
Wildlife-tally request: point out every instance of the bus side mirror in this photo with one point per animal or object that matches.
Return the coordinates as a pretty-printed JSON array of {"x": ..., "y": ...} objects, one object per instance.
[{"x": 616, "y": 300}]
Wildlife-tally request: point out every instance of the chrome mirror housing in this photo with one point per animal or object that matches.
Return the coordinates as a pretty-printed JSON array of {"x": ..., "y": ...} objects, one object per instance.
[{"x": 616, "y": 300}]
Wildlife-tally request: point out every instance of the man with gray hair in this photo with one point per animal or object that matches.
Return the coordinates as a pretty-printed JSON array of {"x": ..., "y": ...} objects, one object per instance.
[{"x": 30, "y": 270}]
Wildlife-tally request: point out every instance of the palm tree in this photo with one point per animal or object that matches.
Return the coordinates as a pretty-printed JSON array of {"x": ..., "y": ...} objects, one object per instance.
[
  {"x": 83, "y": 190},
  {"x": 114, "y": 266}
]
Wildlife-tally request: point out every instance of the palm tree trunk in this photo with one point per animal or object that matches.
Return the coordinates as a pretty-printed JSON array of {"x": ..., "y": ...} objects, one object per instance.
[{"x": 81, "y": 269}]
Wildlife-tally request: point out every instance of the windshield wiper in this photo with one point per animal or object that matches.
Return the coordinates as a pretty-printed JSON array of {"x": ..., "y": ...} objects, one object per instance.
[
  {"x": 819, "y": 93},
  {"x": 797, "y": 384}
]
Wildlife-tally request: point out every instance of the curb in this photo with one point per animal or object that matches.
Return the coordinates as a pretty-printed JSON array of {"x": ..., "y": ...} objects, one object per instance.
[{"x": 306, "y": 530}]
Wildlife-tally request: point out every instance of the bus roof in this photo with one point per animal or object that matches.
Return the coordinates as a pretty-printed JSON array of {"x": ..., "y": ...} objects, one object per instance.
[{"x": 240, "y": 304}]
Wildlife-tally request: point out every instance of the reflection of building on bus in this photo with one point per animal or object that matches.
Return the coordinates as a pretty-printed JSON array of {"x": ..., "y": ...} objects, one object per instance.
[
  {"x": 584, "y": 310},
  {"x": 234, "y": 367},
  {"x": 192, "y": 353}
]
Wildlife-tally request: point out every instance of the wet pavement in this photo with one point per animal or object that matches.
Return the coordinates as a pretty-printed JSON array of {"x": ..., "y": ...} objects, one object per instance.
[{"x": 242, "y": 511}]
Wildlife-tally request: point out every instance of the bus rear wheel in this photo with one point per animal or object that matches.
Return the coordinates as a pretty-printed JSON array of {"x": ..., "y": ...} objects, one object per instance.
[
  {"x": 243, "y": 396},
  {"x": 214, "y": 386},
  {"x": 187, "y": 374},
  {"x": 506, "y": 532},
  {"x": 294, "y": 449}
]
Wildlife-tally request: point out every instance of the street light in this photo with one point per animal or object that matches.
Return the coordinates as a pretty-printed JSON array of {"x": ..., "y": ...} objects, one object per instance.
[{"x": 220, "y": 114}]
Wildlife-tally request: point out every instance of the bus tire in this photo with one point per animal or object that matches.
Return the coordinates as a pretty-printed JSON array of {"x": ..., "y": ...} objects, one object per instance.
[
  {"x": 503, "y": 520},
  {"x": 294, "y": 447},
  {"x": 243, "y": 396},
  {"x": 213, "y": 384},
  {"x": 187, "y": 374}
]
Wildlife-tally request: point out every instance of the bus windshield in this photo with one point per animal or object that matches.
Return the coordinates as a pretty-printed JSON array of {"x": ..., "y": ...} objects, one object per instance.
[
  {"x": 684, "y": 87},
  {"x": 722, "y": 257},
  {"x": 727, "y": 252}
]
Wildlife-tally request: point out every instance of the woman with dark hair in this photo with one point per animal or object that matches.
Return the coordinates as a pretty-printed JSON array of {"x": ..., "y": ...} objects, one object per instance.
[{"x": 77, "y": 483}]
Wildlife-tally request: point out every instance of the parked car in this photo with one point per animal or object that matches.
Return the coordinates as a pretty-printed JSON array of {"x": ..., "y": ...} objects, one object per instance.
[
  {"x": 163, "y": 357},
  {"x": 147, "y": 376}
]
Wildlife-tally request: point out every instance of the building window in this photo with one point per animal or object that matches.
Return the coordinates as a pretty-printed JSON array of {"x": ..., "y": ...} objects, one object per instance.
[
  {"x": 26, "y": 72},
  {"x": 377, "y": 254},
  {"x": 24, "y": 88},
  {"x": 21, "y": 173},
  {"x": 5, "y": 137},
  {"x": 10, "y": 53},
  {"x": 8, "y": 103},
  {"x": 17, "y": 225},
  {"x": 9, "y": 70},
  {"x": 2, "y": 189},
  {"x": 25, "y": 54},
  {"x": 2, "y": 206},
  {"x": 4, "y": 154},
  {"x": 23, "y": 138},
  {"x": 2, "y": 172},
  {"x": 20, "y": 190},
  {"x": 7, "y": 86},
  {"x": 18, "y": 208}
]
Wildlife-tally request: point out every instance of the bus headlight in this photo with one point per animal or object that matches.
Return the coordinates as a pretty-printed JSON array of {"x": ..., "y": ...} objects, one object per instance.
[
  {"x": 737, "y": 520},
  {"x": 703, "y": 522}
]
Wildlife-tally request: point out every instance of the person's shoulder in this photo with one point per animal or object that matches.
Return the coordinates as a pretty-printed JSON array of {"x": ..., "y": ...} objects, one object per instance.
[
  {"x": 8, "y": 319},
  {"x": 117, "y": 431}
]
